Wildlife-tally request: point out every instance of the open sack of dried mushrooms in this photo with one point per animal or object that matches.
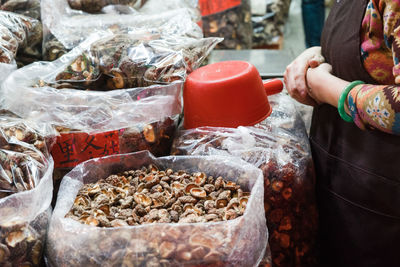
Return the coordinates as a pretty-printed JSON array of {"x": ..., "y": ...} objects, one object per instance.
[
  {"x": 25, "y": 191},
  {"x": 137, "y": 210},
  {"x": 66, "y": 27},
  {"x": 279, "y": 147}
]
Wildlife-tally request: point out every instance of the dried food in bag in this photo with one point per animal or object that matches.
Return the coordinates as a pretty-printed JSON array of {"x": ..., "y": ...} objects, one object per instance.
[
  {"x": 129, "y": 61},
  {"x": 70, "y": 27},
  {"x": 29, "y": 8},
  {"x": 268, "y": 27},
  {"x": 169, "y": 197},
  {"x": 24, "y": 214},
  {"x": 239, "y": 242},
  {"x": 16, "y": 134},
  {"x": 279, "y": 147},
  {"x": 18, "y": 34},
  {"x": 19, "y": 171},
  {"x": 32, "y": 52},
  {"x": 22, "y": 243},
  {"x": 228, "y": 19},
  {"x": 23, "y": 155},
  {"x": 53, "y": 48},
  {"x": 95, "y": 6}
]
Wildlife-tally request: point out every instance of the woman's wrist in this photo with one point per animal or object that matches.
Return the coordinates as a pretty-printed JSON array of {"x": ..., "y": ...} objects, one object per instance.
[{"x": 324, "y": 86}]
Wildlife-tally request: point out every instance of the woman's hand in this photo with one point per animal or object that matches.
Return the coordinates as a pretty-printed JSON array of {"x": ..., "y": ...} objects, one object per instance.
[{"x": 295, "y": 74}]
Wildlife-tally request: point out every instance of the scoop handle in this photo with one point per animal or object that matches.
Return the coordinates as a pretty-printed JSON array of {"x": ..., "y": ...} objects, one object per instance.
[{"x": 273, "y": 86}]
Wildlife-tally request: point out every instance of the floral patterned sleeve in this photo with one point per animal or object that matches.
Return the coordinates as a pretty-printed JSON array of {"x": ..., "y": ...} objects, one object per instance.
[{"x": 378, "y": 106}]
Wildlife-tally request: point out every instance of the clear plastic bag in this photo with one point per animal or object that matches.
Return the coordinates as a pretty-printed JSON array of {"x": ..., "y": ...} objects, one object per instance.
[
  {"x": 279, "y": 147},
  {"x": 65, "y": 28},
  {"x": 268, "y": 28},
  {"x": 238, "y": 242},
  {"x": 19, "y": 34},
  {"x": 228, "y": 19},
  {"x": 23, "y": 223},
  {"x": 25, "y": 194},
  {"x": 22, "y": 243},
  {"x": 14, "y": 131},
  {"x": 29, "y": 8},
  {"x": 6, "y": 69},
  {"x": 23, "y": 154},
  {"x": 95, "y": 6},
  {"x": 127, "y": 61}
]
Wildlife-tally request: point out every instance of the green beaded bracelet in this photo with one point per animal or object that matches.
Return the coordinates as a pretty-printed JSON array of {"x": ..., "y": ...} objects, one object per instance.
[{"x": 342, "y": 100}]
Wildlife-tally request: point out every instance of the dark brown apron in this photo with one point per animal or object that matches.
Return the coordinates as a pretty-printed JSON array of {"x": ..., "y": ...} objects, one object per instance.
[{"x": 358, "y": 172}]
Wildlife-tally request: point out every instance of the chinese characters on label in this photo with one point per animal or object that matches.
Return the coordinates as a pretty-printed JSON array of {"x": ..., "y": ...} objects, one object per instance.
[{"x": 74, "y": 148}]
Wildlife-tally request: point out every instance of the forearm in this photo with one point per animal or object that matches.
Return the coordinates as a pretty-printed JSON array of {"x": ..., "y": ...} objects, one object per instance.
[
  {"x": 370, "y": 106},
  {"x": 325, "y": 86}
]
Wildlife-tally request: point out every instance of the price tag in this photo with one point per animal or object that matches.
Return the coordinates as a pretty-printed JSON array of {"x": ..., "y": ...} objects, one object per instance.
[
  {"x": 209, "y": 7},
  {"x": 74, "y": 148}
]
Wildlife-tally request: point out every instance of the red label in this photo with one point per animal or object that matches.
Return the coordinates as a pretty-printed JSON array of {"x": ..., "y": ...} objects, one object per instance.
[
  {"x": 74, "y": 148},
  {"x": 209, "y": 7}
]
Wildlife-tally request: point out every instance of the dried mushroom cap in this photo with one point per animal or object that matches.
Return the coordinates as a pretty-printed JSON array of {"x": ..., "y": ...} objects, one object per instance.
[
  {"x": 142, "y": 199},
  {"x": 14, "y": 238},
  {"x": 203, "y": 241},
  {"x": 91, "y": 221},
  {"x": 198, "y": 193},
  {"x": 178, "y": 186},
  {"x": 147, "y": 196},
  {"x": 233, "y": 204},
  {"x": 149, "y": 135},
  {"x": 118, "y": 223},
  {"x": 189, "y": 187},
  {"x": 209, "y": 188},
  {"x": 221, "y": 203},
  {"x": 243, "y": 201},
  {"x": 213, "y": 256},
  {"x": 200, "y": 178},
  {"x": 167, "y": 249},
  {"x": 231, "y": 185}
]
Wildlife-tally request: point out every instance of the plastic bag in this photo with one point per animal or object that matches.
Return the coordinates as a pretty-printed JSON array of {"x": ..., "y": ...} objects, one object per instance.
[
  {"x": 239, "y": 242},
  {"x": 23, "y": 155},
  {"x": 95, "y": 6},
  {"x": 268, "y": 28},
  {"x": 6, "y": 69},
  {"x": 230, "y": 20},
  {"x": 279, "y": 147},
  {"x": 65, "y": 28},
  {"x": 23, "y": 223},
  {"x": 16, "y": 132},
  {"x": 127, "y": 61},
  {"x": 29, "y": 8},
  {"x": 19, "y": 34},
  {"x": 25, "y": 195}
]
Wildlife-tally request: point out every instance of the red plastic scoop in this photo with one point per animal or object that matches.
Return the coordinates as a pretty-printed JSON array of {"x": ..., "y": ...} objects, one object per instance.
[{"x": 227, "y": 94}]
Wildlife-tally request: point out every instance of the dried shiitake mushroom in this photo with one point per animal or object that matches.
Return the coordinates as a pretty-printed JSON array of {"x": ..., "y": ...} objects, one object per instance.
[{"x": 151, "y": 195}]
